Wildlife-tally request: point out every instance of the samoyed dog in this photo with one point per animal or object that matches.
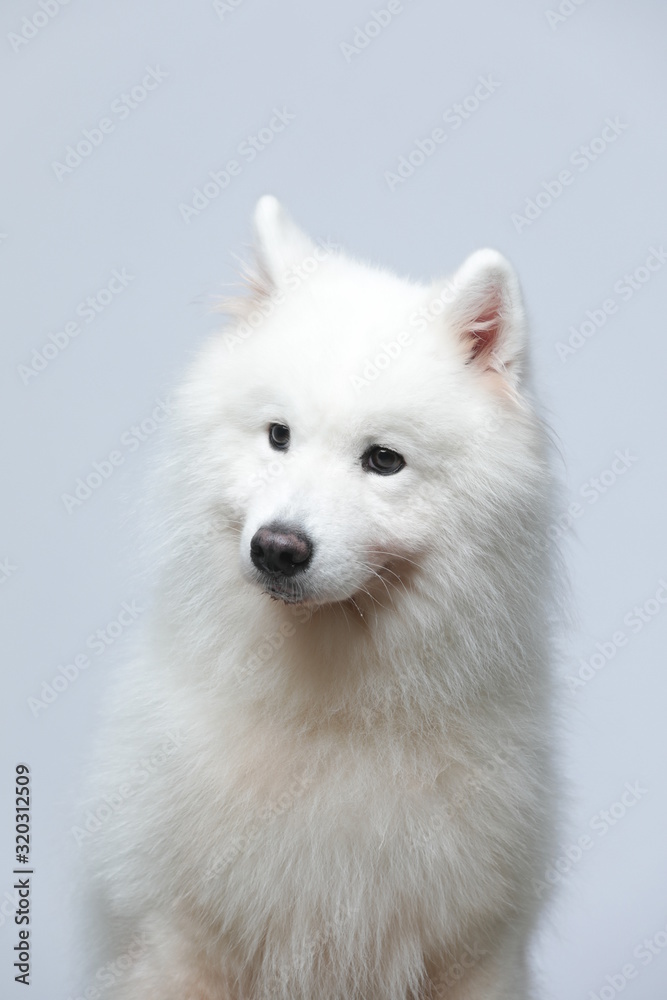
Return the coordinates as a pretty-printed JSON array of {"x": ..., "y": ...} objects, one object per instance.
[{"x": 341, "y": 713}]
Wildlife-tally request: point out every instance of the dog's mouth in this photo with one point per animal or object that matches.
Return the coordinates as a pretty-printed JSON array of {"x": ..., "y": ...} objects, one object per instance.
[
  {"x": 279, "y": 595},
  {"x": 289, "y": 566},
  {"x": 386, "y": 580},
  {"x": 284, "y": 589}
]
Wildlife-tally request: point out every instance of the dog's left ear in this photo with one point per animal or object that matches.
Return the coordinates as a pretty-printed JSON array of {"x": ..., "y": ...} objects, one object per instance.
[
  {"x": 279, "y": 243},
  {"x": 487, "y": 314}
]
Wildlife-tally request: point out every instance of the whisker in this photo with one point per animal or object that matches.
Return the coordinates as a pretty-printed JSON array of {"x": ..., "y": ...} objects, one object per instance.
[
  {"x": 398, "y": 584},
  {"x": 372, "y": 597},
  {"x": 385, "y": 583},
  {"x": 399, "y": 556}
]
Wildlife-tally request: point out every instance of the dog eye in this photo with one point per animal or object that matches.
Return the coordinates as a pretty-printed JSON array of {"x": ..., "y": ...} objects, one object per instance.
[
  {"x": 384, "y": 461},
  {"x": 279, "y": 436}
]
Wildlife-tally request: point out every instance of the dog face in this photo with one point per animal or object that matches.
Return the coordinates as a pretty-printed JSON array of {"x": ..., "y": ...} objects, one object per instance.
[{"x": 361, "y": 421}]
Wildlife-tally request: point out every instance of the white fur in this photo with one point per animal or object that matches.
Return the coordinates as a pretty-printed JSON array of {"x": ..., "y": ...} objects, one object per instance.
[{"x": 361, "y": 789}]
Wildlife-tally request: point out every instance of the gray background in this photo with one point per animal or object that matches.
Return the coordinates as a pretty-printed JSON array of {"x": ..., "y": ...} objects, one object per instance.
[{"x": 60, "y": 240}]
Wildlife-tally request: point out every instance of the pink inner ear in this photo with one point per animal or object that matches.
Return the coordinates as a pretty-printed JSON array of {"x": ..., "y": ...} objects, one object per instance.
[{"x": 485, "y": 328}]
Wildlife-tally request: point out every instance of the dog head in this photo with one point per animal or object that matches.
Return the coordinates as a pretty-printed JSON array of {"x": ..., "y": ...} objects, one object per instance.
[{"x": 349, "y": 428}]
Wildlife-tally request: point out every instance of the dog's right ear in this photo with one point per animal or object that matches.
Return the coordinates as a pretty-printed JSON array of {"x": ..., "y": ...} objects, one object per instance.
[{"x": 279, "y": 243}]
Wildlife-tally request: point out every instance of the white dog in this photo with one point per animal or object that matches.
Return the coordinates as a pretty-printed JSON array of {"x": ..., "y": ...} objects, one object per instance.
[{"x": 344, "y": 694}]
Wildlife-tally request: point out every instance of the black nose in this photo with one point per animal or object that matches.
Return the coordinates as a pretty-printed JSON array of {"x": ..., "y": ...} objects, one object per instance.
[{"x": 280, "y": 550}]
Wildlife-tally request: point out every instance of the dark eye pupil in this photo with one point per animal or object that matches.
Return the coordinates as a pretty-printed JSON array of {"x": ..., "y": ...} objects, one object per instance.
[
  {"x": 279, "y": 435},
  {"x": 383, "y": 461}
]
